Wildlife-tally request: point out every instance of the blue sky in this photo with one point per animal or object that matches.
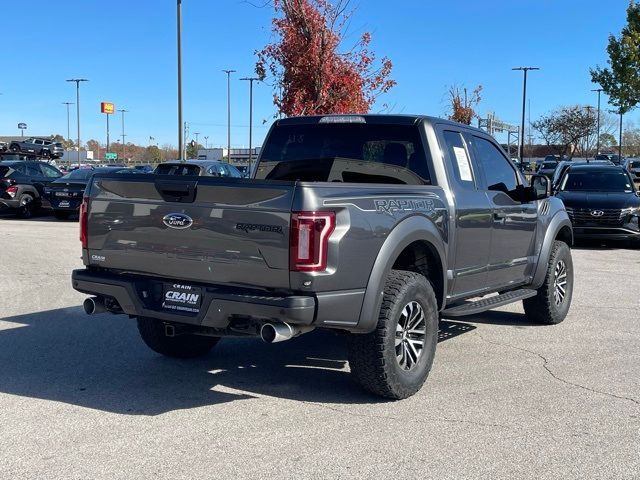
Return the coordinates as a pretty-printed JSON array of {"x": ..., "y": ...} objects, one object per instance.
[{"x": 127, "y": 49}]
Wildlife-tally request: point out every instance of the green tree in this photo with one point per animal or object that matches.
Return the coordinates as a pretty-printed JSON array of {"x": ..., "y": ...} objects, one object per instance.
[
  {"x": 607, "y": 140},
  {"x": 564, "y": 128},
  {"x": 192, "y": 149},
  {"x": 621, "y": 80},
  {"x": 152, "y": 154}
]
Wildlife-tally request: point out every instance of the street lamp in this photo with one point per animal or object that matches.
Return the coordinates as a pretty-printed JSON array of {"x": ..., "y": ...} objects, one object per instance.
[
  {"x": 598, "y": 127},
  {"x": 524, "y": 99},
  {"x": 180, "y": 139},
  {"x": 124, "y": 145},
  {"x": 228, "y": 72},
  {"x": 206, "y": 142},
  {"x": 78, "y": 80},
  {"x": 250, "y": 80},
  {"x": 68, "y": 129},
  {"x": 196, "y": 134}
]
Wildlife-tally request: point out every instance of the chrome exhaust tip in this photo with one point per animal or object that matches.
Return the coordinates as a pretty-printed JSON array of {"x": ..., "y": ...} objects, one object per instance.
[
  {"x": 281, "y": 331},
  {"x": 93, "y": 305}
]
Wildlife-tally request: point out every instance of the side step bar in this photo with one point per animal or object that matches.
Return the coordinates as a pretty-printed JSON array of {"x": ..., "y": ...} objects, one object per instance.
[{"x": 485, "y": 304}]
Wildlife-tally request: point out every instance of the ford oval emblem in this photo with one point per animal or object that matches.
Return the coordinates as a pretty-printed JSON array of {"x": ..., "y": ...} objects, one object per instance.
[{"x": 177, "y": 220}]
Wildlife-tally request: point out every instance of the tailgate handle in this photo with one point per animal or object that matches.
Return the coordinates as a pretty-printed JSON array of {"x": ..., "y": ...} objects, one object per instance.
[{"x": 177, "y": 191}]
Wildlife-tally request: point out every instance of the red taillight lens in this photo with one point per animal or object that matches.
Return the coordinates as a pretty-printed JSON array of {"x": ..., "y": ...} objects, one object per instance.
[
  {"x": 12, "y": 191},
  {"x": 309, "y": 239},
  {"x": 83, "y": 222}
]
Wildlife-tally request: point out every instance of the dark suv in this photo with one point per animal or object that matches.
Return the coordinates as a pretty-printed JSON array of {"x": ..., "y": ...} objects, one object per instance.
[{"x": 22, "y": 185}]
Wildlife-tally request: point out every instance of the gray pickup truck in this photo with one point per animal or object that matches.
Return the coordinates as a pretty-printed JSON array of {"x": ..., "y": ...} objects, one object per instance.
[{"x": 375, "y": 226}]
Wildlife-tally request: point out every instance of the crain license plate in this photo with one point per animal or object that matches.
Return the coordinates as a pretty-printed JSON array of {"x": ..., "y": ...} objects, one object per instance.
[
  {"x": 181, "y": 298},
  {"x": 64, "y": 204}
]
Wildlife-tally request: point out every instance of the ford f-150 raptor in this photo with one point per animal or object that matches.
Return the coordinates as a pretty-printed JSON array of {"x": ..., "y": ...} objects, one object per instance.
[{"x": 371, "y": 225}]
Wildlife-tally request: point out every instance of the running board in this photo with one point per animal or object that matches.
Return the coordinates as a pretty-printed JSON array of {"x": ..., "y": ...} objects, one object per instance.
[{"x": 488, "y": 303}]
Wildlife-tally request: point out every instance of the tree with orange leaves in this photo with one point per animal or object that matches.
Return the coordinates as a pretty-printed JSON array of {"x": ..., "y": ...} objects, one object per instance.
[{"x": 312, "y": 76}]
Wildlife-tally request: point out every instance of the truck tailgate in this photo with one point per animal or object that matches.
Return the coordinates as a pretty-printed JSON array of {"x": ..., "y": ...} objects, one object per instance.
[{"x": 200, "y": 229}]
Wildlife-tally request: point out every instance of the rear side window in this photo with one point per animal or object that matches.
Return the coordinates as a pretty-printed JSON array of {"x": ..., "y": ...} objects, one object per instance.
[
  {"x": 178, "y": 169},
  {"x": 345, "y": 152},
  {"x": 459, "y": 159},
  {"x": 4, "y": 171}
]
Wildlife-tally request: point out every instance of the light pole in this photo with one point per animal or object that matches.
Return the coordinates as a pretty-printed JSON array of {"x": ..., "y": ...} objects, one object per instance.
[
  {"x": 524, "y": 100},
  {"x": 180, "y": 139},
  {"x": 124, "y": 145},
  {"x": 68, "y": 129},
  {"x": 228, "y": 72},
  {"x": 196, "y": 134},
  {"x": 78, "y": 80},
  {"x": 598, "y": 127},
  {"x": 586, "y": 143},
  {"x": 250, "y": 80},
  {"x": 206, "y": 142}
]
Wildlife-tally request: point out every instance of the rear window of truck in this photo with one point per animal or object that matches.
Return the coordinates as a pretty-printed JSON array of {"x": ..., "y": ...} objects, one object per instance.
[
  {"x": 345, "y": 152},
  {"x": 177, "y": 169}
]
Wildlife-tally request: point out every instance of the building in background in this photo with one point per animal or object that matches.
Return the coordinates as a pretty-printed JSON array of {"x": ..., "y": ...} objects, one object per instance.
[{"x": 237, "y": 156}]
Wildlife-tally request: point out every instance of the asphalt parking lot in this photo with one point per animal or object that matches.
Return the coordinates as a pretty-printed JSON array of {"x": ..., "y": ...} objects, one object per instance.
[{"x": 82, "y": 397}]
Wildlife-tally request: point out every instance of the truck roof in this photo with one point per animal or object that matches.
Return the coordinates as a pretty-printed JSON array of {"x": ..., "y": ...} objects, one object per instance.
[{"x": 395, "y": 119}]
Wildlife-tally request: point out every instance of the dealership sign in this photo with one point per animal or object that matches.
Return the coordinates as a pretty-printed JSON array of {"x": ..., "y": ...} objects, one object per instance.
[
  {"x": 22, "y": 126},
  {"x": 107, "y": 107}
]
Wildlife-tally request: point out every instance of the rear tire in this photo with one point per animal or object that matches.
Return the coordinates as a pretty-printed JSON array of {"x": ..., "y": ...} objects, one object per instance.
[
  {"x": 27, "y": 206},
  {"x": 15, "y": 148},
  {"x": 152, "y": 332},
  {"x": 394, "y": 360},
  {"x": 551, "y": 305}
]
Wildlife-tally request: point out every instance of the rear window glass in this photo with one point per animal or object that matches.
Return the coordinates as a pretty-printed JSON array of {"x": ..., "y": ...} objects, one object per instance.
[
  {"x": 80, "y": 174},
  {"x": 4, "y": 170},
  {"x": 178, "y": 169},
  {"x": 346, "y": 152}
]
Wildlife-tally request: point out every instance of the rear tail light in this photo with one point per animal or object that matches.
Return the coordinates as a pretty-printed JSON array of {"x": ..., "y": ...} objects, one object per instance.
[
  {"x": 83, "y": 222},
  {"x": 309, "y": 239},
  {"x": 12, "y": 191}
]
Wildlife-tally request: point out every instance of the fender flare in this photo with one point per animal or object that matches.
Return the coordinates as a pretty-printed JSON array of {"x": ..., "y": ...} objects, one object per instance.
[
  {"x": 558, "y": 222},
  {"x": 413, "y": 229}
]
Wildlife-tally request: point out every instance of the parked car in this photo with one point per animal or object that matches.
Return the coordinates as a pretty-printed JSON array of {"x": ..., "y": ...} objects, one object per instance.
[
  {"x": 144, "y": 168},
  {"x": 563, "y": 165},
  {"x": 23, "y": 183},
  {"x": 38, "y": 146},
  {"x": 602, "y": 202},
  {"x": 206, "y": 168},
  {"x": 632, "y": 165},
  {"x": 351, "y": 223},
  {"x": 547, "y": 168},
  {"x": 612, "y": 157},
  {"x": 3, "y": 146},
  {"x": 65, "y": 194}
]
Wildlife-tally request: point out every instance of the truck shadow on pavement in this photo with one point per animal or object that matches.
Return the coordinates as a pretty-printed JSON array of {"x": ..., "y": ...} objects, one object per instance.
[{"x": 101, "y": 363}]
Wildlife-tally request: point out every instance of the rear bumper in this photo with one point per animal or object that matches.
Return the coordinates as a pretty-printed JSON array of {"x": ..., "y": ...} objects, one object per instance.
[{"x": 139, "y": 296}]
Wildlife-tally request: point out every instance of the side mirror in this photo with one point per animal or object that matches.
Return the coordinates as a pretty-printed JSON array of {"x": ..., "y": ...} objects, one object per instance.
[{"x": 540, "y": 187}]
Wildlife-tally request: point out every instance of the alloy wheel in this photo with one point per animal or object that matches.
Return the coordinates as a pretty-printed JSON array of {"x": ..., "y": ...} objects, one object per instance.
[{"x": 411, "y": 331}]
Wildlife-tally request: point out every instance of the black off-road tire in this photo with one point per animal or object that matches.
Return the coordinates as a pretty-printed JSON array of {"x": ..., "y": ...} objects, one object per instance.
[
  {"x": 372, "y": 356},
  {"x": 14, "y": 148},
  {"x": 27, "y": 206},
  {"x": 61, "y": 214},
  {"x": 544, "y": 307},
  {"x": 152, "y": 332}
]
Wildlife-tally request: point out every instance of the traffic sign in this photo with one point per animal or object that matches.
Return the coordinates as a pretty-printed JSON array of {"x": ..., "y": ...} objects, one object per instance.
[{"x": 110, "y": 156}]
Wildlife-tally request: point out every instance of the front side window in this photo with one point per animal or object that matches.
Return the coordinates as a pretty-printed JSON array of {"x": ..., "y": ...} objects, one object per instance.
[
  {"x": 48, "y": 171},
  {"x": 498, "y": 170}
]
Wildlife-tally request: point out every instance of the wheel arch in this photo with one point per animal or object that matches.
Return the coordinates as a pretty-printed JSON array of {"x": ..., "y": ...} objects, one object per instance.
[
  {"x": 559, "y": 228},
  {"x": 415, "y": 244}
]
